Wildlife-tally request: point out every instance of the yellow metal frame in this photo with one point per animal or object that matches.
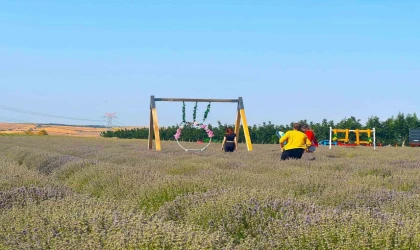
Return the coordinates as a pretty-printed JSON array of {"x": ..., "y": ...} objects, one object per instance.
[{"x": 154, "y": 125}]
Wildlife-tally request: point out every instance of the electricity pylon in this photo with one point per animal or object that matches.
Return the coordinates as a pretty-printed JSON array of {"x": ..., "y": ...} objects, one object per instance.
[{"x": 109, "y": 118}]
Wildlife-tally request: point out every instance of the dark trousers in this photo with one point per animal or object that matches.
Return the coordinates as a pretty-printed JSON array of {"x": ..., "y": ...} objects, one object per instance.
[
  {"x": 295, "y": 153},
  {"x": 229, "y": 146}
]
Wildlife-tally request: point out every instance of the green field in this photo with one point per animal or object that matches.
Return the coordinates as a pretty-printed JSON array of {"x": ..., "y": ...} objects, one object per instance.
[{"x": 96, "y": 193}]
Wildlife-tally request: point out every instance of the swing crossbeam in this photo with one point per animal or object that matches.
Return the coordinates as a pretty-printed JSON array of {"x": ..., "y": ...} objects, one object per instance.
[
  {"x": 154, "y": 125},
  {"x": 194, "y": 100}
]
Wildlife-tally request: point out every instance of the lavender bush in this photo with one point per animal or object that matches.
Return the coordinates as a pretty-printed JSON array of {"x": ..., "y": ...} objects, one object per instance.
[{"x": 92, "y": 193}]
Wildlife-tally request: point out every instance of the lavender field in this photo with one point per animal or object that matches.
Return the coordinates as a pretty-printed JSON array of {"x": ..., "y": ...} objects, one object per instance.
[{"x": 96, "y": 193}]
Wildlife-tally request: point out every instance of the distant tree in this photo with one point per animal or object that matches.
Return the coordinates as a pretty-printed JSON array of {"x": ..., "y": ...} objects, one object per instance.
[
  {"x": 401, "y": 128},
  {"x": 390, "y": 135},
  {"x": 322, "y": 130},
  {"x": 390, "y": 131},
  {"x": 380, "y": 131},
  {"x": 107, "y": 134},
  {"x": 412, "y": 121},
  {"x": 350, "y": 123}
]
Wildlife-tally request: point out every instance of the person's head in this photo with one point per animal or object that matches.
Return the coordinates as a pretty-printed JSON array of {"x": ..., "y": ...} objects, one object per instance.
[
  {"x": 305, "y": 127},
  {"x": 229, "y": 130},
  {"x": 296, "y": 126}
]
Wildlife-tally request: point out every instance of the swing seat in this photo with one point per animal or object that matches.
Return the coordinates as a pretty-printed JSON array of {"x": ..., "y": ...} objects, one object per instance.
[{"x": 194, "y": 149}]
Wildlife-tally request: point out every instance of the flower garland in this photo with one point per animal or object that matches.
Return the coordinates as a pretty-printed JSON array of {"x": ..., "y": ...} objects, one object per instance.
[
  {"x": 210, "y": 133},
  {"x": 194, "y": 124}
]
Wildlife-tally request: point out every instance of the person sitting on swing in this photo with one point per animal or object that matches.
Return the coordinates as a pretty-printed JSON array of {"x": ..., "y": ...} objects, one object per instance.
[
  {"x": 297, "y": 143},
  {"x": 229, "y": 143}
]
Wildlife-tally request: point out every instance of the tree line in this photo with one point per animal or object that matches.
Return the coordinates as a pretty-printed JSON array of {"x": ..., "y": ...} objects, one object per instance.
[{"x": 394, "y": 130}]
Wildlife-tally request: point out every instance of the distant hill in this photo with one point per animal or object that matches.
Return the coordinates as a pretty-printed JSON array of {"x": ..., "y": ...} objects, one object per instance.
[
  {"x": 69, "y": 125},
  {"x": 56, "y": 129}
]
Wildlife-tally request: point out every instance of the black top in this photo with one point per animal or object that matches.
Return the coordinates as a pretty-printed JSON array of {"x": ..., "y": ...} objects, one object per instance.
[{"x": 230, "y": 137}]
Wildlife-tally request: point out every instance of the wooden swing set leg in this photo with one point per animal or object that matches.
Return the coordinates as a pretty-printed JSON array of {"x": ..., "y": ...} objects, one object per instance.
[
  {"x": 150, "y": 131},
  {"x": 154, "y": 125},
  {"x": 246, "y": 131},
  {"x": 237, "y": 126},
  {"x": 240, "y": 116}
]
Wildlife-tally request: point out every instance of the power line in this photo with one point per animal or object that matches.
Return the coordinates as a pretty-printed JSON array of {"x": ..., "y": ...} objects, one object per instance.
[
  {"x": 120, "y": 123},
  {"x": 2, "y": 118},
  {"x": 43, "y": 114}
]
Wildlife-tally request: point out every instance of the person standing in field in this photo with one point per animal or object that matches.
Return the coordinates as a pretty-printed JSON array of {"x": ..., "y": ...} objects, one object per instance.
[
  {"x": 229, "y": 143},
  {"x": 297, "y": 143},
  {"x": 311, "y": 136}
]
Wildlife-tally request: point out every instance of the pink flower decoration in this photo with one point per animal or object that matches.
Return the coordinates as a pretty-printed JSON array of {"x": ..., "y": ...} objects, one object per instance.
[
  {"x": 178, "y": 134},
  {"x": 210, "y": 133}
]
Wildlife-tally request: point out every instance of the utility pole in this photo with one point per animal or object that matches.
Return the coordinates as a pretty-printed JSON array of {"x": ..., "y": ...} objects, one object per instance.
[{"x": 109, "y": 117}]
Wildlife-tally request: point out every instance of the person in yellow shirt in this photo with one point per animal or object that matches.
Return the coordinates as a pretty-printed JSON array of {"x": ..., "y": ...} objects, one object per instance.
[{"x": 297, "y": 143}]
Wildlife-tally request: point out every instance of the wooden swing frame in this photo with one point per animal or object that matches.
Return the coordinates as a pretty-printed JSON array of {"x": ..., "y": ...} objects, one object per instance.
[{"x": 154, "y": 125}]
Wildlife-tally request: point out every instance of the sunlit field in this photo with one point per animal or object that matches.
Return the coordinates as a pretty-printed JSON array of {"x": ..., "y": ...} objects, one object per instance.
[{"x": 96, "y": 193}]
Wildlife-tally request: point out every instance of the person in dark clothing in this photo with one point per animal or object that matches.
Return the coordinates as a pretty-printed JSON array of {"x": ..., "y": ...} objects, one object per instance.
[{"x": 229, "y": 143}]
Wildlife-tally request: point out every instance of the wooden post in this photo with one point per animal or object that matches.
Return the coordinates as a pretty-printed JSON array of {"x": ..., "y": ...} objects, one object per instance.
[
  {"x": 237, "y": 125},
  {"x": 154, "y": 125},
  {"x": 246, "y": 130},
  {"x": 156, "y": 129},
  {"x": 244, "y": 123},
  {"x": 151, "y": 130}
]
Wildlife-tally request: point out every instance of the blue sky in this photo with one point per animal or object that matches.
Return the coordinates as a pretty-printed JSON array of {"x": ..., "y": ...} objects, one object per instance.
[{"x": 289, "y": 60}]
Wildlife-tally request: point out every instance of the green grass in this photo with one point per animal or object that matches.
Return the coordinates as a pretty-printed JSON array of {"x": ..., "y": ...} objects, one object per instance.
[{"x": 96, "y": 193}]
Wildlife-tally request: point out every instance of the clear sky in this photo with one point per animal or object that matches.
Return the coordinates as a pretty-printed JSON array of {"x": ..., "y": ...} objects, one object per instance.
[{"x": 289, "y": 60}]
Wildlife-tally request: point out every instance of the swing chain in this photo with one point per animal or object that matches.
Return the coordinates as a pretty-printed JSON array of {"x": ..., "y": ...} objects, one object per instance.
[
  {"x": 206, "y": 113},
  {"x": 183, "y": 112},
  {"x": 195, "y": 112}
]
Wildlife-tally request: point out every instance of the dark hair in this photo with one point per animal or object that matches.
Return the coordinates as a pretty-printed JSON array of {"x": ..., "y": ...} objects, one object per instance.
[
  {"x": 305, "y": 126},
  {"x": 229, "y": 130},
  {"x": 296, "y": 126}
]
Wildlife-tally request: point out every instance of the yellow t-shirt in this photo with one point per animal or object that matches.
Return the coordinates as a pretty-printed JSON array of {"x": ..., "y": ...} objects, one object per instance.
[{"x": 295, "y": 139}]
